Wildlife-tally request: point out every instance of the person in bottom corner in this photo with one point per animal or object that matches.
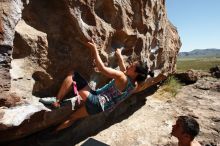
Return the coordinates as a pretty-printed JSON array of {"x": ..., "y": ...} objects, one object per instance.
[
  {"x": 124, "y": 83},
  {"x": 185, "y": 130}
]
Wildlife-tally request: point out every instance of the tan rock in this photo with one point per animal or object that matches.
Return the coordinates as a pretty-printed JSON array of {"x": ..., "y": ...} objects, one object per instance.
[{"x": 50, "y": 41}]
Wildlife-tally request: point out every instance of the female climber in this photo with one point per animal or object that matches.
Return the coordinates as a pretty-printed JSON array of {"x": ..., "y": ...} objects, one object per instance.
[{"x": 124, "y": 82}]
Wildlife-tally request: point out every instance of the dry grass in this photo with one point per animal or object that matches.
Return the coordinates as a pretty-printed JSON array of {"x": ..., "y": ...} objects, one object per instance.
[
  {"x": 203, "y": 64},
  {"x": 169, "y": 89}
]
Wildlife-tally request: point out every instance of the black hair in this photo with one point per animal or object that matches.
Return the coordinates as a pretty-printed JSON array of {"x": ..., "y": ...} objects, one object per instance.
[
  {"x": 143, "y": 71},
  {"x": 190, "y": 125}
]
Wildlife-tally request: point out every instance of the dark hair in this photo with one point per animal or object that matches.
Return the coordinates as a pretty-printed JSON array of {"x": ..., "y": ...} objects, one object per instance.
[
  {"x": 143, "y": 71},
  {"x": 190, "y": 125}
]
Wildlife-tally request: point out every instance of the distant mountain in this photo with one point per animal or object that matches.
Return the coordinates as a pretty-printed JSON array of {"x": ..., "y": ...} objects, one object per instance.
[{"x": 201, "y": 53}]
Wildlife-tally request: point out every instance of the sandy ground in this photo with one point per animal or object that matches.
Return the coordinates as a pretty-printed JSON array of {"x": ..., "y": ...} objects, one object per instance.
[{"x": 151, "y": 124}]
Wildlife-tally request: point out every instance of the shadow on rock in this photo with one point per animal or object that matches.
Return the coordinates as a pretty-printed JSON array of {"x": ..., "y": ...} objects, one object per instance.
[{"x": 87, "y": 127}]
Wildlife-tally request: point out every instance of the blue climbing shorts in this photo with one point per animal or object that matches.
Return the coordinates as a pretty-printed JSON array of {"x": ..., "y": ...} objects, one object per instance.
[{"x": 92, "y": 104}]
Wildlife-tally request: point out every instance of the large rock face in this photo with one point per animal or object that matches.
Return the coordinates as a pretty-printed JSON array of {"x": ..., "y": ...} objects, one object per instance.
[{"x": 42, "y": 40}]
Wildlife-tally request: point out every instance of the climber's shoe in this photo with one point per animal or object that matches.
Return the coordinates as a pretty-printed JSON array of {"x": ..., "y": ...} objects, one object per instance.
[{"x": 48, "y": 100}]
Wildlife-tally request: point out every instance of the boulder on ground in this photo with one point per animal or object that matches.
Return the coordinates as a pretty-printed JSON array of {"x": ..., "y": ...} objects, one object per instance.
[
  {"x": 41, "y": 41},
  {"x": 215, "y": 71}
]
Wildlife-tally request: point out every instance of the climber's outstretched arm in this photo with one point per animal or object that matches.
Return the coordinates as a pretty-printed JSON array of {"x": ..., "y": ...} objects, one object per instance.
[
  {"x": 120, "y": 60},
  {"x": 109, "y": 72}
]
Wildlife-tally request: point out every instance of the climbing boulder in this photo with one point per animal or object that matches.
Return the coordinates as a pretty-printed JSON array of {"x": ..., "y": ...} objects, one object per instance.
[{"x": 43, "y": 40}]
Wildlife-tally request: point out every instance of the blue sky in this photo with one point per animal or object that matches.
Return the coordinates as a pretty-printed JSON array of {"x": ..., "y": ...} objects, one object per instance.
[{"x": 197, "y": 22}]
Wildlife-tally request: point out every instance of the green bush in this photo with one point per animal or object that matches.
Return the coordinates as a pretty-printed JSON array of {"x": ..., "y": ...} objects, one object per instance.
[{"x": 171, "y": 85}]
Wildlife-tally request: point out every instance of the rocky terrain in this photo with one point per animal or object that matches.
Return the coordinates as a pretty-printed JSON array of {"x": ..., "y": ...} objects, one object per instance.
[
  {"x": 41, "y": 41},
  {"x": 149, "y": 123},
  {"x": 152, "y": 123}
]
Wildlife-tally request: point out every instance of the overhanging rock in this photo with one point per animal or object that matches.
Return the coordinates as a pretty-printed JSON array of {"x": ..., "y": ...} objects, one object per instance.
[{"x": 44, "y": 40}]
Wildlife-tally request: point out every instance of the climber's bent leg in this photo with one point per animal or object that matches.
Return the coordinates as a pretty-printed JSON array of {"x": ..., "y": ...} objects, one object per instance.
[{"x": 78, "y": 114}]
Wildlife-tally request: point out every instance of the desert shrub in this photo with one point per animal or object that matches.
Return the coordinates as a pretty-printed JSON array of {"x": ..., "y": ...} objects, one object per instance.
[{"x": 171, "y": 85}]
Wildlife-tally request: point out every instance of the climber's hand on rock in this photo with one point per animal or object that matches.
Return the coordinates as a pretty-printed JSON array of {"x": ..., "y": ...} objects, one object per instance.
[
  {"x": 91, "y": 45},
  {"x": 118, "y": 52}
]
